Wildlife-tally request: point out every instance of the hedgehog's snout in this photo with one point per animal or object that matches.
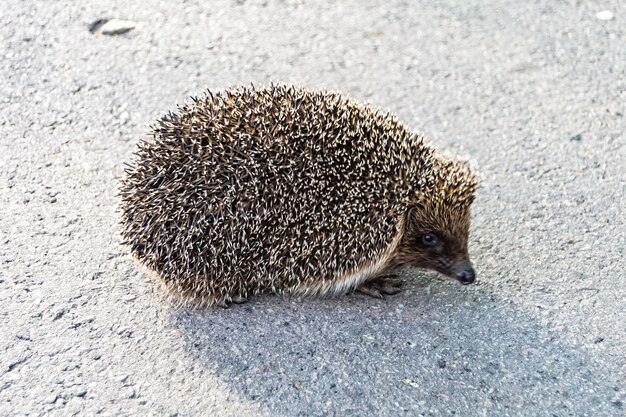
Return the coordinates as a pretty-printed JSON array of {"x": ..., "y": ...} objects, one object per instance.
[{"x": 465, "y": 273}]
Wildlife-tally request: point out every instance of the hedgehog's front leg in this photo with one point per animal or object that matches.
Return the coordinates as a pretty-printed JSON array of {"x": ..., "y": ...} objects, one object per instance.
[{"x": 385, "y": 284}]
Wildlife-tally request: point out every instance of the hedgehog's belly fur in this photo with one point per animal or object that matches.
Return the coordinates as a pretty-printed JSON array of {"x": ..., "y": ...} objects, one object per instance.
[{"x": 347, "y": 282}]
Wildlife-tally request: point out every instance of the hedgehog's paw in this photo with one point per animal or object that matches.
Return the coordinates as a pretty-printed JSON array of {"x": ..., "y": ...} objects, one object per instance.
[
  {"x": 238, "y": 299},
  {"x": 389, "y": 285}
]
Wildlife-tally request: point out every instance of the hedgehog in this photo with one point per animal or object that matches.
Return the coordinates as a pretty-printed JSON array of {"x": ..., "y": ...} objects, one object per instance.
[{"x": 281, "y": 189}]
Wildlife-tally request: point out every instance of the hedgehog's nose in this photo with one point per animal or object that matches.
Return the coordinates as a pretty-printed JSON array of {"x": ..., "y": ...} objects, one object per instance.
[{"x": 466, "y": 274}]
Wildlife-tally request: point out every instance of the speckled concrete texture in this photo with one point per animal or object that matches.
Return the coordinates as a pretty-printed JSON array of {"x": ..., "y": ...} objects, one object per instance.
[{"x": 532, "y": 93}]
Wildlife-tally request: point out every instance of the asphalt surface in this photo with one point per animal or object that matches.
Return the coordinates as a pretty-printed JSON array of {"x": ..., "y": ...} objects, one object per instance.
[{"x": 533, "y": 93}]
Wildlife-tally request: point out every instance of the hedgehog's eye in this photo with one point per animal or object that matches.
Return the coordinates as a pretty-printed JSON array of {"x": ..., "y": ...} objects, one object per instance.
[{"x": 430, "y": 239}]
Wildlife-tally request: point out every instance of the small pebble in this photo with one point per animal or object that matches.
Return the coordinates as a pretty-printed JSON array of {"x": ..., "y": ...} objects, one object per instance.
[
  {"x": 111, "y": 27},
  {"x": 124, "y": 331},
  {"x": 410, "y": 382},
  {"x": 80, "y": 393},
  {"x": 605, "y": 15},
  {"x": 58, "y": 314},
  {"x": 128, "y": 392}
]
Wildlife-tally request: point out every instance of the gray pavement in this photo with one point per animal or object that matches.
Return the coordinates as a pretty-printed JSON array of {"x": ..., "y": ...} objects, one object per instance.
[{"x": 533, "y": 93}]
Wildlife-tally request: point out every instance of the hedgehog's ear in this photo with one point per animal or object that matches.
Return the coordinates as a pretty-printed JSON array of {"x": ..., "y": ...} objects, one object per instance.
[{"x": 410, "y": 222}]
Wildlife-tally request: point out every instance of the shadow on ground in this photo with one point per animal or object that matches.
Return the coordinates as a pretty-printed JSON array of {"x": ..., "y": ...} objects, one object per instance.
[{"x": 436, "y": 349}]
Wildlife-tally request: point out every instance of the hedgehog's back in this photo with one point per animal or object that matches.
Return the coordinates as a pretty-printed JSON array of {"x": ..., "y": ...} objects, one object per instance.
[{"x": 277, "y": 188}]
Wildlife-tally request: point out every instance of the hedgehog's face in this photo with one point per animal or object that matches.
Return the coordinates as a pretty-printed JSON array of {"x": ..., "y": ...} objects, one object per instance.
[{"x": 436, "y": 239}]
